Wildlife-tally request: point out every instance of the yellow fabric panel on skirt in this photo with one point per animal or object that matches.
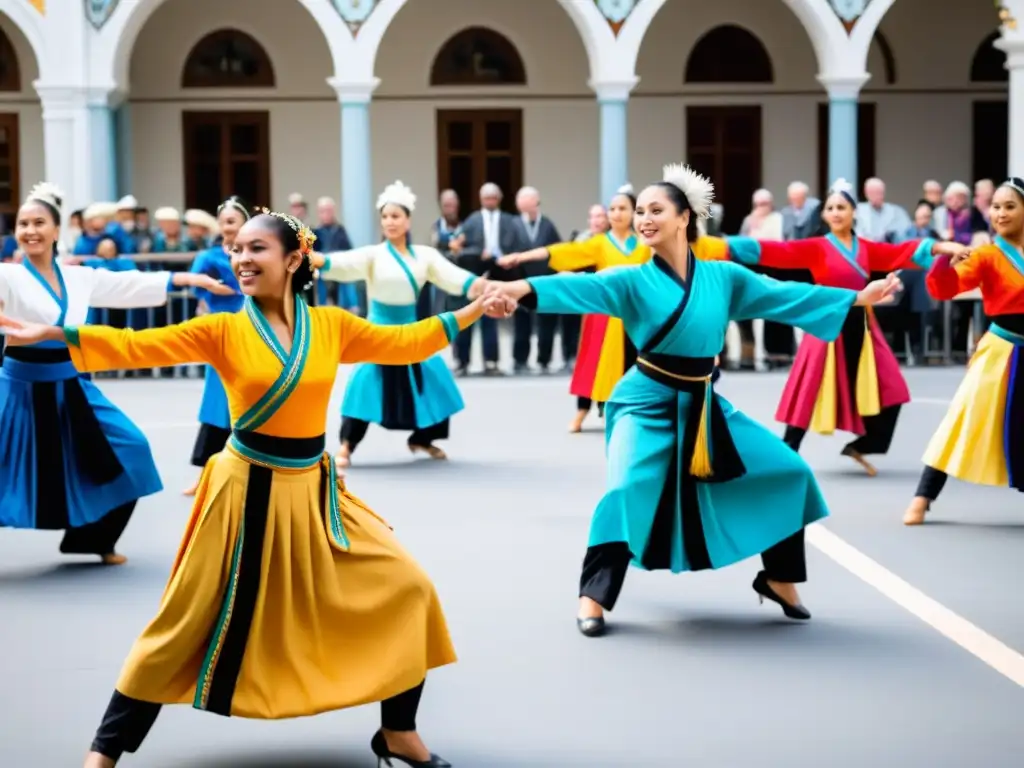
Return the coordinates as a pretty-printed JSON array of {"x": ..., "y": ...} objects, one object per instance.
[
  {"x": 868, "y": 398},
  {"x": 823, "y": 419},
  {"x": 969, "y": 443},
  {"x": 613, "y": 359},
  {"x": 330, "y": 629}
]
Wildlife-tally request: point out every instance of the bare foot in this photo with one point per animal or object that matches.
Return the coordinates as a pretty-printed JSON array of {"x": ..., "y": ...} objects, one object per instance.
[
  {"x": 431, "y": 450},
  {"x": 114, "y": 558},
  {"x": 786, "y": 591},
  {"x": 192, "y": 489},
  {"x": 868, "y": 466},
  {"x": 344, "y": 456},
  {"x": 589, "y": 609},
  {"x": 576, "y": 425},
  {"x": 407, "y": 744},
  {"x": 916, "y": 511},
  {"x": 96, "y": 760}
]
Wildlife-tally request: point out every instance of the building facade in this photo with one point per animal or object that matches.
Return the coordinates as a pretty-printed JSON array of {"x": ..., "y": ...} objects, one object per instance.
[{"x": 181, "y": 102}]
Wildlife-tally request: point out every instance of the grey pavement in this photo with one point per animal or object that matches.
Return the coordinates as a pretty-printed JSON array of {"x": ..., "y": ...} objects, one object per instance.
[{"x": 695, "y": 673}]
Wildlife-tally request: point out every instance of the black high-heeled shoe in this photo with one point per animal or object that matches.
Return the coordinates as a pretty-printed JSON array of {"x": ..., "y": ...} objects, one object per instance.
[
  {"x": 379, "y": 745},
  {"x": 592, "y": 626},
  {"x": 764, "y": 590}
]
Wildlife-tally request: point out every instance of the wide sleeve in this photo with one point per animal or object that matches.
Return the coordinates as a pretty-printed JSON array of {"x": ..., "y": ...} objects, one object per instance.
[
  {"x": 102, "y": 348},
  {"x": 5, "y": 286},
  {"x": 910, "y": 254},
  {"x": 570, "y": 257},
  {"x": 348, "y": 266},
  {"x": 945, "y": 282},
  {"x": 445, "y": 274},
  {"x": 817, "y": 310},
  {"x": 129, "y": 289},
  {"x": 601, "y": 293},
  {"x": 366, "y": 342},
  {"x": 776, "y": 254},
  {"x": 201, "y": 266}
]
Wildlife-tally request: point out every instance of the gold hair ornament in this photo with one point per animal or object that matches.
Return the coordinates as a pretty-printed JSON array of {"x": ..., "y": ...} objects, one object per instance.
[{"x": 304, "y": 233}]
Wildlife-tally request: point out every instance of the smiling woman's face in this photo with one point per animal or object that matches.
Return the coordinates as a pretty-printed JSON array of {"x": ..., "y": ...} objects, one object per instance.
[
  {"x": 36, "y": 231},
  {"x": 656, "y": 218}
]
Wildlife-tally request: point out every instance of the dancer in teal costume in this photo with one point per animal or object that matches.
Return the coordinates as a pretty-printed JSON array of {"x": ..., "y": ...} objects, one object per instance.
[{"x": 693, "y": 483}]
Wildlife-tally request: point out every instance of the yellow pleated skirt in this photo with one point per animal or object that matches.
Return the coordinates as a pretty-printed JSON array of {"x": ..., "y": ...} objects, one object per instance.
[
  {"x": 970, "y": 442},
  {"x": 326, "y": 628}
]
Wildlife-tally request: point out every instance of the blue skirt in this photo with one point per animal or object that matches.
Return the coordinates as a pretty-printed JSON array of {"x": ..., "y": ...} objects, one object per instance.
[
  {"x": 774, "y": 498},
  {"x": 214, "y": 408},
  {"x": 402, "y": 397},
  {"x": 68, "y": 456}
]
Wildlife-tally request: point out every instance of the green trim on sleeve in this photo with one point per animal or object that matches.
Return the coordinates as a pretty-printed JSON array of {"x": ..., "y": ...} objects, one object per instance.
[
  {"x": 71, "y": 335},
  {"x": 451, "y": 325}
]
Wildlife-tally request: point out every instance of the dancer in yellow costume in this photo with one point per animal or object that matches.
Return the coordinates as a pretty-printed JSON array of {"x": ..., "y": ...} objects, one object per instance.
[{"x": 288, "y": 596}]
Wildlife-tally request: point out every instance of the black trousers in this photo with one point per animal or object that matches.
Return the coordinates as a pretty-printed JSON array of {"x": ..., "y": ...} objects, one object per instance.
[
  {"x": 523, "y": 323},
  {"x": 210, "y": 441},
  {"x": 931, "y": 483},
  {"x": 585, "y": 404},
  {"x": 127, "y": 721},
  {"x": 354, "y": 430},
  {"x": 101, "y": 537},
  {"x": 605, "y": 566},
  {"x": 877, "y": 437}
]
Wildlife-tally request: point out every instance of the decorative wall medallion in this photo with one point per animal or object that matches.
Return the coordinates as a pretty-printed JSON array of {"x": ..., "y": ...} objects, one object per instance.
[
  {"x": 39, "y": 5},
  {"x": 616, "y": 12},
  {"x": 100, "y": 11},
  {"x": 354, "y": 12}
]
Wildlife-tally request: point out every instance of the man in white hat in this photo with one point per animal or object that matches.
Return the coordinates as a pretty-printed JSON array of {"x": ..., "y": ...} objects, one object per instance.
[
  {"x": 201, "y": 229},
  {"x": 124, "y": 225},
  {"x": 168, "y": 237}
]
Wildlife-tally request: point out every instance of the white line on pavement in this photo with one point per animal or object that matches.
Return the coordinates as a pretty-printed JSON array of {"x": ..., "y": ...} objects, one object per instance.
[{"x": 971, "y": 638}]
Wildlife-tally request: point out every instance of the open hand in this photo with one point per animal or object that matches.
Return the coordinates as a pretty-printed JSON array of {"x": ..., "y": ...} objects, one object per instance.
[
  {"x": 963, "y": 254},
  {"x": 477, "y": 288},
  {"x": 880, "y": 292},
  {"x": 514, "y": 290},
  {"x": 26, "y": 333}
]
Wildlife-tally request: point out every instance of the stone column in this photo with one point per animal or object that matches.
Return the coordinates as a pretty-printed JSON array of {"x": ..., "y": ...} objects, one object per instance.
[
  {"x": 1012, "y": 42},
  {"x": 66, "y": 142},
  {"x": 357, "y": 195},
  {"x": 843, "y": 95},
  {"x": 613, "y": 102}
]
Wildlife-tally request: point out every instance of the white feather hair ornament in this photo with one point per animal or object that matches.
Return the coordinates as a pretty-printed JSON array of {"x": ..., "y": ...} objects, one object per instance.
[
  {"x": 625, "y": 189},
  {"x": 699, "y": 191},
  {"x": 48, "y": 193},
  {"x": 397, "y": 194},
  {"x": 841, "y": 186}
]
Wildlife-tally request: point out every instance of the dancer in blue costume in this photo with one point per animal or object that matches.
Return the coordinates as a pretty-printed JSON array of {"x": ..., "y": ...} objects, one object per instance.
[
  {"x": 69, "y": 459},
  {"x": 418, "y": 398},
  {"x": 693, "y": 483},
  {"x": 214, "y": 419}
]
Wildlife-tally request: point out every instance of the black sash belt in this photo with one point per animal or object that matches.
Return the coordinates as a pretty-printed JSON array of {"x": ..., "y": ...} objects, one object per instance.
[
  {"x": 709, "y": 454},
  {"x": 94, "y": 457},
  {"x": 1012, "y": 323}
]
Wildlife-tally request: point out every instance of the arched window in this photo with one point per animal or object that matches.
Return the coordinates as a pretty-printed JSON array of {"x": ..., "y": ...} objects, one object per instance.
[
  {"x": 478, "y": 56},
  {"x": 729, "y": 54},
  {"x": 10, "y": 72},
  {"x": 989, "y": 63},
  {"x": 227, "y": 58},
  {"x": 888, "y": 57}
]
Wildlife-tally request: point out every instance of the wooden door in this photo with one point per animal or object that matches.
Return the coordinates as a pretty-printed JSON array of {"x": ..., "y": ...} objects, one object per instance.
[
  {"x": 10, "y": 176},
  {"x": 865, "y": 148},
  {"x": 226, "y": 153},
  {"x": 478, "y": 146},
  {"x": 990, "y": 140},
  {"x": 724, "y": 143}
]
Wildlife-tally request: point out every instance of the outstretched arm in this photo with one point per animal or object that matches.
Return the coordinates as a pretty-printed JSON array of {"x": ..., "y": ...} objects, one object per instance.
[
  {"x": 776, "y": 254},
  {"x": 448, "y": 277},
  {"x": 345, "y": 266},
  {"x": 817, "y": 310},
  {"x": 912, "y": 254},
  {"x": 601, "y": 293},
  {"x": 947, "y": 280},
  {"x": 366, "y": 342}
]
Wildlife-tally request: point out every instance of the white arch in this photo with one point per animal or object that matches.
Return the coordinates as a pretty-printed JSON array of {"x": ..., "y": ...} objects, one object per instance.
[
  {"x": 30, "y": 23},
  {"x": 864, "y": 31},
  {"x": 826, "y": 32},
  {"x": 111, "y": 50}
]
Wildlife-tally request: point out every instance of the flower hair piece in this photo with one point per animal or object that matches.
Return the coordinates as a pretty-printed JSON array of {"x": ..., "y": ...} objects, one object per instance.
[
  {"x": 397, "y": 194},
  {"x": 304, "y": 233},
  {"x": 699, "y": 191},
  {"x": 45, "y": 192},
  {"x": 625, "y": 189},
  {"x": 842, "y": 187}
]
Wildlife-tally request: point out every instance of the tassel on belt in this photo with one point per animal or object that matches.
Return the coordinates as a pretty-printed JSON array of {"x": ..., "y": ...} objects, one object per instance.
[
  {"x": 708, "y": 450},
  {"x": 286, "y": 454}
]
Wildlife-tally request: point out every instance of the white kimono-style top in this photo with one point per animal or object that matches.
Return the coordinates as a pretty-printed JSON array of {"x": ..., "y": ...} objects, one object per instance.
[
  {"x": 25, "y": 295},
  {"x": 392, "y": 278}
]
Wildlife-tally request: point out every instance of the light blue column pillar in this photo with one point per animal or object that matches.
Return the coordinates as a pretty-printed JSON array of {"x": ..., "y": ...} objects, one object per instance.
[
  {"x": 842, "y": 140},
  {"x": 123, "y": 141},
  {"x": 614, "y": 145},
  {"x": 356, "y": 171},
  {"x": 103, "y": 153}
]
